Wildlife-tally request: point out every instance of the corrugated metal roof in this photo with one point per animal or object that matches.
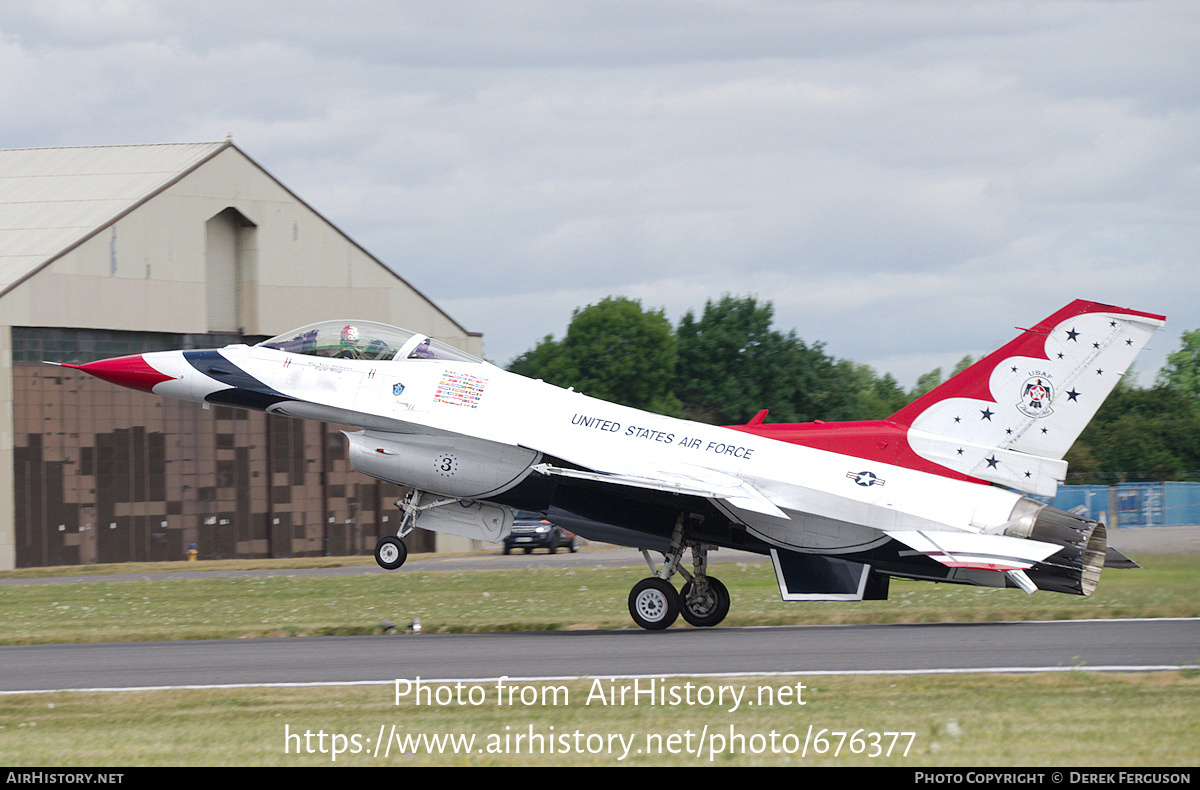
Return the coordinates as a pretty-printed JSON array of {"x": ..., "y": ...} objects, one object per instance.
[{"x": 51, "y": 199}]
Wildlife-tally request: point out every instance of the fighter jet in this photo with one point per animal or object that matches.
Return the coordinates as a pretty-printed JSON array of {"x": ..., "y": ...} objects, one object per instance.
[{"x": 938, "y": 491}]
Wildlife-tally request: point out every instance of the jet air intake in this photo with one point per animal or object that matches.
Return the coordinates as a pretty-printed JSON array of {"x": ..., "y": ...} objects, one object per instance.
[{"x": 1073, "y": 569}]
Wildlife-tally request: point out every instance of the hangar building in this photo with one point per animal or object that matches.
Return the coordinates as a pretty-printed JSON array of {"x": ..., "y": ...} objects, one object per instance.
[{"x": 114, "y": 250}]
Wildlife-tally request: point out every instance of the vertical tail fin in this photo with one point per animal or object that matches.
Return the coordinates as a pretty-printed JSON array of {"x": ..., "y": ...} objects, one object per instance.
[{"x": 1012, "y": 416}]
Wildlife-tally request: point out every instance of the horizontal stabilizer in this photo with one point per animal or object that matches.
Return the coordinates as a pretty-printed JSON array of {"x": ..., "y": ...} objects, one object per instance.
[
  {"x": 1115, "y": 559},
  {"x": 1023, "y": 471},
  {"x": 976, "y": 551}
]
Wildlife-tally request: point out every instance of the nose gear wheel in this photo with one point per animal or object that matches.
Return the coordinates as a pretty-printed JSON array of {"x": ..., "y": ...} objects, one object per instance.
[{"x": 390, "y": 552}]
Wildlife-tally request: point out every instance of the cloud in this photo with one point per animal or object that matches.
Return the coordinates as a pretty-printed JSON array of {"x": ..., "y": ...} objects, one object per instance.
[{"x": 904, "y": 181}]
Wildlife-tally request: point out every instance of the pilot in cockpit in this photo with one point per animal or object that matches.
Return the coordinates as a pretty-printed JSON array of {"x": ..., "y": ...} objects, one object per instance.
[
  {"x": 423, "y": 351},
  {"x": 348, "y": 349}
]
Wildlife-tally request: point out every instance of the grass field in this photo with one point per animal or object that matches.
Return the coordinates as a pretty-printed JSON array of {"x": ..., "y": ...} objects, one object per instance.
[
  {"x": 1072, "y": 718},
  {"x": 1055, "y": 719}
]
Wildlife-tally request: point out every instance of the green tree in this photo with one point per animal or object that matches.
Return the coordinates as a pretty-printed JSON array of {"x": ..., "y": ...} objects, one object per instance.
[
  {"x": 1140, "y": 435},
  {"x": 613, "y": 350},
  {"x": 1182, "y": 370},
  {"x": 962, "y": 365},
  {"x": 733, "y": 364},
  {"x": 868, "y": 396},
  {"x": 933, "y": 378},
  {"x": 544, "y": 361},
  {"x": 925, "y": 383},
  {"x": 723, "y": 367}
]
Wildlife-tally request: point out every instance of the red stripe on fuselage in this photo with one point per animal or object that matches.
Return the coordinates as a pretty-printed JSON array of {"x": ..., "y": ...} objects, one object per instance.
[{"x": 876, "y": 440}]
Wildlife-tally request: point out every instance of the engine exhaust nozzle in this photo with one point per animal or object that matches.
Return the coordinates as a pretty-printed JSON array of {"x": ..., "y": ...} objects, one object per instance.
[{"x": 1075, "y": 568}]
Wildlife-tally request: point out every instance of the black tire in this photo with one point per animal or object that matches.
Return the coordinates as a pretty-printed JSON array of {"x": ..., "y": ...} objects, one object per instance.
[
  {"x": 706, "y": 611},
  {"x": 574, "y": 545},
  {"x": 390, "y": 552},
  {"x": 653, "y": 604},
  {"x": 507, "y": 549},
  {"x": 528, "y": 549},
  {"x": 554, "y": 545}
]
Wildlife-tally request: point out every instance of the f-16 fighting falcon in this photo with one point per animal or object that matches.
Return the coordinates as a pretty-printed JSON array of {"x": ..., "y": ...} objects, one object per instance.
[{"x": 937, "y": 491}]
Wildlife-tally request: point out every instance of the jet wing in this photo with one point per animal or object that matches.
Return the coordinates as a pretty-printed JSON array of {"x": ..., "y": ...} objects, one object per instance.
[{"x": 694, "y": 482}]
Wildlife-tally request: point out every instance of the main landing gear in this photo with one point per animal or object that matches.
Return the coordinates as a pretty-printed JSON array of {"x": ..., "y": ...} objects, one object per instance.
[{"x": 703, "y": 601}]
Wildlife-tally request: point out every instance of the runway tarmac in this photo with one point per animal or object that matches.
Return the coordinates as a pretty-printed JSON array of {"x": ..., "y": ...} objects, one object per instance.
[{"x": 1132, "y": 645}]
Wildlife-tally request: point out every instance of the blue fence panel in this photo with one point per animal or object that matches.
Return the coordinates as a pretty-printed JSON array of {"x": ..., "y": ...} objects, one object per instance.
[
  {"x": 1181, "y": 503},
  {"x": 1133, "y": 504},
  {"x": 1093, "y": 499},
  {"x": 1139, "y": 505}
]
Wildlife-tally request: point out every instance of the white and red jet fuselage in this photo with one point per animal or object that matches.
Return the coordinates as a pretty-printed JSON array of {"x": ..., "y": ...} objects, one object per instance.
[{"x": 840, "y": 507}]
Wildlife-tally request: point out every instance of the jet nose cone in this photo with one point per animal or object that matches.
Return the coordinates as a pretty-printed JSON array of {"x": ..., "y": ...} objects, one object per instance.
[{"x": 132, "y": 371}]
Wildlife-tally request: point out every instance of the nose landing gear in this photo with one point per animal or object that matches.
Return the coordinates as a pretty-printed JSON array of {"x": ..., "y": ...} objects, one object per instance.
[{"x": 390, "y": 551}]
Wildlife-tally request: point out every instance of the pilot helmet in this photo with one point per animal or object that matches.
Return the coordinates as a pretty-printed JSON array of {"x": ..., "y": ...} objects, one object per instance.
[
  {"x": 350, "y": 334},
  {"x": 423, "y": 350}
]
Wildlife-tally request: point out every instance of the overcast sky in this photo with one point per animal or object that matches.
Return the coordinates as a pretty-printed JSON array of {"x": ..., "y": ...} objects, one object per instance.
[{"x": 906, "y": 182}]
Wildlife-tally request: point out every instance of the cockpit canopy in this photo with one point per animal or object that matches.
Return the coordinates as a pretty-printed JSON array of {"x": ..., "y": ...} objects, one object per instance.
[{"x": 363, "y": 340}]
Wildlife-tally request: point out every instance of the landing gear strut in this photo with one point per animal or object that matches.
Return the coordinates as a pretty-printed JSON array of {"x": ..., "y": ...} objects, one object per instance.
[
  {"x": 703, "y": 601},
  {"x": 390, "y": 551},
  {"x": 448, "y": 514}
]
